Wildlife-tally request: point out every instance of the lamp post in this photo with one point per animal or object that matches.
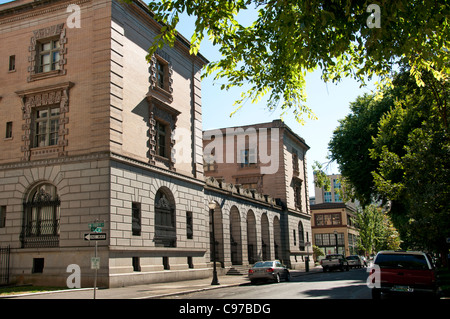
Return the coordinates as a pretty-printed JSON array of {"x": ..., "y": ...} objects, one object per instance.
[
  {"x": 215, "y": 280},
  {"x": 336, "y": 238}
]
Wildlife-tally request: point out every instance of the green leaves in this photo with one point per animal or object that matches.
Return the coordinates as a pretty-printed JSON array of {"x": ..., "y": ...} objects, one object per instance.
[{"x": 288, "y": 39}]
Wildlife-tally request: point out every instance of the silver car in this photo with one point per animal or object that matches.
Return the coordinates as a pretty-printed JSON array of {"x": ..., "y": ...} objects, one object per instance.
[
  {"x": 354, "y": 261},
  {"x": 268, "y": 270}
]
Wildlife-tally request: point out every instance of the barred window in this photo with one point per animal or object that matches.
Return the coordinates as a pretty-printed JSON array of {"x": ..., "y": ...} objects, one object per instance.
[{"x": 41, "y": 217}]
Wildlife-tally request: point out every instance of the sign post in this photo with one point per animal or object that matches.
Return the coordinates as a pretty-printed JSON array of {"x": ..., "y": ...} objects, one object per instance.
[{"x": 97, "y": 235}]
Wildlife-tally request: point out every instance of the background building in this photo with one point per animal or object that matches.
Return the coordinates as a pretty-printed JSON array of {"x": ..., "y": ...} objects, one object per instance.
[
  {"x": 332, "y": 224},
  {"x": 270, "y": 159}
]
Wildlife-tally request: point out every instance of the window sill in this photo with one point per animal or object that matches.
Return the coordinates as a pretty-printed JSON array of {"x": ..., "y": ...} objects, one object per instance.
[{"x": 46, "y": 75}]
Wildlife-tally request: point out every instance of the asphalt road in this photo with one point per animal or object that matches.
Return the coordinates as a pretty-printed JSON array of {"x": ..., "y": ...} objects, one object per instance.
[{"x": 330, "y": 285}]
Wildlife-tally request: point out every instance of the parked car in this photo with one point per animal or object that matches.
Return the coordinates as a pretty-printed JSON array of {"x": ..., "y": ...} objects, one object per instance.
[
  {"x": 403, "y": 272},
  {"x": 354, "y": 261},
  {"x": 334, "y": 261},
  {"x": 268, "y": 271}
]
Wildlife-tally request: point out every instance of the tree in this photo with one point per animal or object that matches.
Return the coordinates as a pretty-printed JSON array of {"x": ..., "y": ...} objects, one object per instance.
[
  {"x": 412, "y": 147},
  {"x": 376, "y": 231},
  {"x": 342, "y": 38},
  {"x": 351, "y": 141},
  {"x": 397, "y": 148}
]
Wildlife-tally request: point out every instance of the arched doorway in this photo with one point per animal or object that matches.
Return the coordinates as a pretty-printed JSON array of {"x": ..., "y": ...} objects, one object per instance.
[
  {"x": 265, "y": 237},
  {"x": 216, "y": 238},
  {"x": 251, "y": 238},
  {"x": 235, "y": 236},
  {"x": 277, "y": 238}
]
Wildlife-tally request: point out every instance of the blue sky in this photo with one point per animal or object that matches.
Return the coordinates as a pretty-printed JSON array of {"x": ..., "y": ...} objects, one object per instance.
[{"x": 329, "y": 102}]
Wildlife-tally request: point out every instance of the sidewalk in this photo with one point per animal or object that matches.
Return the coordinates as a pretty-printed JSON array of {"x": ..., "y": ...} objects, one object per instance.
[{"x": 150, "y": 291}]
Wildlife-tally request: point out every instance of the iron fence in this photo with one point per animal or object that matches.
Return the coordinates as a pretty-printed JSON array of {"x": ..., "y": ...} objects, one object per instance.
[{"x": 5, "y": 253}]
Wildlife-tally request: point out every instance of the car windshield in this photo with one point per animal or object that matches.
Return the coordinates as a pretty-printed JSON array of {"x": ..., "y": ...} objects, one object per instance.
[
  {"x": 263, "y": 264},
  {"x": 402, "y": 261},
  {"x": 352, "y": 257},
  {"x": 333, "y": 256}
]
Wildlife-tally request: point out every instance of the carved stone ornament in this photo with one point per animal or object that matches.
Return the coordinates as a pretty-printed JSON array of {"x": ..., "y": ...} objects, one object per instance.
[
  {"x": 39, "y": 97},
  {"x": 41, "y": 34},
  {"x": 163, "y": 203}
]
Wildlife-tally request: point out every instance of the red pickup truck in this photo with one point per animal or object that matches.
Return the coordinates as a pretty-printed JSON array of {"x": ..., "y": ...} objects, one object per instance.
[{"x": 402, "y": 272}]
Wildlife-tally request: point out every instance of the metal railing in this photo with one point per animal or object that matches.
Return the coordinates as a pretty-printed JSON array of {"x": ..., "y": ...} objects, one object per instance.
[{"x": 5, "y": 253}]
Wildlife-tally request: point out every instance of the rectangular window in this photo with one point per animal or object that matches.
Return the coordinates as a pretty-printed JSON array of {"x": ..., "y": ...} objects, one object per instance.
[
  {"x": 48, "y": 56},
  {"x": 46, "y": 127},
  {"x": 318, "y": 239},
  {"x": 161, "y": 147},
  {"x": 136, "y": 264},
  {"x": 2, "y": 216},
  {"x": 12, "y": 63},
  {"x": 327, "y": 197},
  {"x": 190, "y": 263},
  {"x": 248, "y": 157},
  {"x": 136, "y": 219},
  {"x": 38, "y": 265},
  {"x": 319, "y": 220},
  {"x": 189, "y": 226},
  {"x": 166, "y": 263},
  {"x": 161, "y": 74},
  {"x": 9, "y": 126}
]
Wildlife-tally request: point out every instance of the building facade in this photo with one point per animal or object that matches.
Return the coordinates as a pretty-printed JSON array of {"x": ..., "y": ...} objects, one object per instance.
[
  {"x": 332, "y": 221},
  {"x": 270, "y": 159},
  {"x": 97, "y": 133}
]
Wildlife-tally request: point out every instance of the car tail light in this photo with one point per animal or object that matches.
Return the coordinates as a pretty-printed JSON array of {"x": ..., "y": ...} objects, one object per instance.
[
  {"x": 269, "y": 270},
  {"x": 250, "y": 271}
]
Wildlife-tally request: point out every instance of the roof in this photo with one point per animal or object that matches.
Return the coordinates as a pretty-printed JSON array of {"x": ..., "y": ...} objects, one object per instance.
[
  {"x": 332, "y": 205},
  {"x": 275, "y": 123}
]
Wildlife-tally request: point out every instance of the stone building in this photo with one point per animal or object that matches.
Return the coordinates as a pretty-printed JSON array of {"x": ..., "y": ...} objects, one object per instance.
[
  {"x": 91, "y": 128},
  {"x": 96, "y": 134},
  {"x": 269, "y": 159}
]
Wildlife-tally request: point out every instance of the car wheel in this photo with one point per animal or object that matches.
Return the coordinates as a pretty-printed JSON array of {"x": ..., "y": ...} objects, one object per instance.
[
  {"x": 324, "y": 269},
  {"x": 277, "y": 278},
  {"x": 288, "y": 276}
]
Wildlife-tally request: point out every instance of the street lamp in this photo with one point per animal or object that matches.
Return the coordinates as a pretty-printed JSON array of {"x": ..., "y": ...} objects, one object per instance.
[
  {"x": 215, "y": 280},
  {"x": 336, "y": 238}
]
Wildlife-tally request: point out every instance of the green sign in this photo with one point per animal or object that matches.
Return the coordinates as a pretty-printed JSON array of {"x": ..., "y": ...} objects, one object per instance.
[{"x": 96, "y": 227}]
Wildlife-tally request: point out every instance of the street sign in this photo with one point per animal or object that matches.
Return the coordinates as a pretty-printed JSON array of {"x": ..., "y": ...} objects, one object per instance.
[
  {"x": 95, "y": 262},
  {"x": 95, "y": 236},
  {"x": 96, "y": 227}
]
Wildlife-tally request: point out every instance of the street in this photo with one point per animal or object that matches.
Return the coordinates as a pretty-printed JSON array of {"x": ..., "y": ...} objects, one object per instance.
[{"x": 330, "y": 285}]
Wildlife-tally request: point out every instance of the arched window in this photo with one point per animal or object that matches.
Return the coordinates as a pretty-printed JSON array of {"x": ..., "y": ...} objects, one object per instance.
[
  {"x": 41, "y": 217},
  {"x": 301, "y": 237},
  {"x": 165, "y": 229}
]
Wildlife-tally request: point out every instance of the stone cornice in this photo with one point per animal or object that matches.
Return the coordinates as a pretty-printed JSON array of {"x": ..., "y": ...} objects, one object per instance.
[{"x": 35, "y": 8}]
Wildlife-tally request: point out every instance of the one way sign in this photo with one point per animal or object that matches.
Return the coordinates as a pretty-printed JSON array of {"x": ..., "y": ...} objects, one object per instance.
[{"x": 95, "y": 236}]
